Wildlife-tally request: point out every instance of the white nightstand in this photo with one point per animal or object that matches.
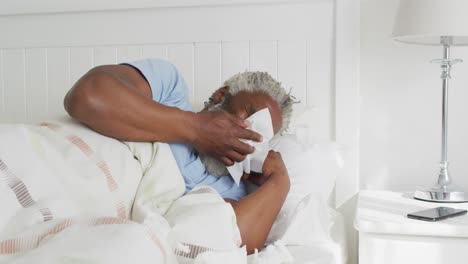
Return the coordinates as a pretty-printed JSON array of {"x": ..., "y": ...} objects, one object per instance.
[{"x": 386, "y": 235}]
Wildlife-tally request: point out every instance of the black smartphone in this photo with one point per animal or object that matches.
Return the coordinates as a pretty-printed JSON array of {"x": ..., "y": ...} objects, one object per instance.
[{"x": 436, "y": 214}]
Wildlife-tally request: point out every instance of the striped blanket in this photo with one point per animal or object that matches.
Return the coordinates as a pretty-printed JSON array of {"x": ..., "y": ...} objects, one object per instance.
[{"x": 70, "y": 195}]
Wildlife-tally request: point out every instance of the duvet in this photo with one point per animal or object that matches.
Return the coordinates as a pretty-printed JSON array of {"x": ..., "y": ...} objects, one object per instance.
[{"x": 70, "y": 195}]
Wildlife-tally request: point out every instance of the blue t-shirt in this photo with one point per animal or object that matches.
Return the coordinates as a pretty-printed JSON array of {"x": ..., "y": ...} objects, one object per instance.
[{"x": 169, "y": 88}]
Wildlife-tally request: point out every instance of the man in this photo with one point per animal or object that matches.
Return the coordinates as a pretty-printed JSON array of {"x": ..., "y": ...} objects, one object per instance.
[{"x": 148, "y": 101}]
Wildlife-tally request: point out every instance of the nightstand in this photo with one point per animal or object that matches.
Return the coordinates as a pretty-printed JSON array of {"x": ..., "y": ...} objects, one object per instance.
[{"x": 386, "y": 235}]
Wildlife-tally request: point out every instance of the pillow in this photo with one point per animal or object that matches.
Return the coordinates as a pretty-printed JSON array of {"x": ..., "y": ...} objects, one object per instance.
[{"x": 313, "y": 169}]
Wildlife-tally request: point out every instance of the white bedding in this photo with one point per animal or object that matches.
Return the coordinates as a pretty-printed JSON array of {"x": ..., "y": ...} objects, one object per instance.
[
  {"x": 67, "y": 195},
  {"x": 315, "y": 255}
]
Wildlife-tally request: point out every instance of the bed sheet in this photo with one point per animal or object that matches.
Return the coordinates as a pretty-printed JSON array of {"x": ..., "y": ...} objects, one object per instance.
[{"x": 326, "y": 254}]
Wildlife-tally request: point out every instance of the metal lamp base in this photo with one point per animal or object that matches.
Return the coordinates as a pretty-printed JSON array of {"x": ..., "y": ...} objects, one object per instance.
[
  {"x": 442, "y": 194},
  {"x": 444, "y": 191}
]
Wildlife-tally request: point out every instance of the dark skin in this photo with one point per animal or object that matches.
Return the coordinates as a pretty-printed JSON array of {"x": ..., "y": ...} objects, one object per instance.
[
  {"x": 257, "y": 212},
  {"x": 116, "y": 101}
]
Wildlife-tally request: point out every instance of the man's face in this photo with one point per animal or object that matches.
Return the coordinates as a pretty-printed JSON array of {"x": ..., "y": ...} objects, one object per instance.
[{"x": 242, "y": 105}]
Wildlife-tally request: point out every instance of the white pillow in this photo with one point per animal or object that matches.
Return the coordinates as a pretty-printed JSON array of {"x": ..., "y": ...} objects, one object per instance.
[{"x": 313, "y": 169}]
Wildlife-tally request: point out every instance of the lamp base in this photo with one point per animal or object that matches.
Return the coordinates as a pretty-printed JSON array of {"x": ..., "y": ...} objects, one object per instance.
[{"x": 442, "y": 194}]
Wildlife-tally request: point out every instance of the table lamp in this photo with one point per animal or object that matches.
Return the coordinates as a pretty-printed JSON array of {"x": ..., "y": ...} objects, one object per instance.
[{"x": 437, "y": 23}]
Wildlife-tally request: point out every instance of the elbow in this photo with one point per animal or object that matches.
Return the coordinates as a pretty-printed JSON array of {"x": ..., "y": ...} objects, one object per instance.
[
  {"x": 75, "y": 101},
  {"x": 250, "y": 239},
  {"x": 83, "y": 98},
  {"x": 252, "y": 245}
]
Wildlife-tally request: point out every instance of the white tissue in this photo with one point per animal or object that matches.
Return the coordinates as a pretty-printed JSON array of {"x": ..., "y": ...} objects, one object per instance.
[{"x": 261, "y": 123}]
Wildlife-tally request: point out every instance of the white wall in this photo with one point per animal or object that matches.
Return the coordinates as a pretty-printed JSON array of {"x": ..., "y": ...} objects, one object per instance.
[
  {"x": 42, "y": 55},
  {"x": 401, "y": 99}
]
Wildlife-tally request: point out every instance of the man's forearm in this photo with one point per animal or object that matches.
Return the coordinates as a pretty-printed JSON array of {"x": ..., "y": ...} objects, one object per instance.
[
  {"x": 112, "y": 107},
  {"x": 257, "y": 212}
]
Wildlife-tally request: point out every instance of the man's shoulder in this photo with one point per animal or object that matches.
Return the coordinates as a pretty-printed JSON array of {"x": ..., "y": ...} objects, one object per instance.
[
  {"x": 154, "y": 64},
  {"x": 167, "y": 84}
]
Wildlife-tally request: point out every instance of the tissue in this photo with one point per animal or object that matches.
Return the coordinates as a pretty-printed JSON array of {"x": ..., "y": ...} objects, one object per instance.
[{"x": 261, "y": 123}]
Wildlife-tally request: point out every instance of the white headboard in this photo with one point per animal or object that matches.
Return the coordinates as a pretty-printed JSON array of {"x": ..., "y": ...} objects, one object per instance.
[{"x": 311, "y": 46}]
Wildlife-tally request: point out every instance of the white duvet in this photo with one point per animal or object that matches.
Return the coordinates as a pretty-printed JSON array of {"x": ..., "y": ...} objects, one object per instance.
[{"x": 67, "y": 195}]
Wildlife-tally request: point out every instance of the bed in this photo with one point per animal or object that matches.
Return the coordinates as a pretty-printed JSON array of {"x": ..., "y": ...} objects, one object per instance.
[{"x": 311, "y": 46}]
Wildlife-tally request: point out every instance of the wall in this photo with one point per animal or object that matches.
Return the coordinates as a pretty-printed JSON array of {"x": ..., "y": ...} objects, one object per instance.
[
  {"x": 207, "y": 43},
  {"x": 14, "y": 7},
  {"x": 401, "y": 100}
]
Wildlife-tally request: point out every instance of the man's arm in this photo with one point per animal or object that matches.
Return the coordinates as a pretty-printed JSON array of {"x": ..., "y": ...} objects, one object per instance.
[
  {"x": 257, "y": 212},
  {"x": 116, "y": 101},
  {"x": 113, "y": 100}
]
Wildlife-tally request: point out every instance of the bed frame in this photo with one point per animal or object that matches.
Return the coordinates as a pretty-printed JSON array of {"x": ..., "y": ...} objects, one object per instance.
[{"x": 311, "y": 46}]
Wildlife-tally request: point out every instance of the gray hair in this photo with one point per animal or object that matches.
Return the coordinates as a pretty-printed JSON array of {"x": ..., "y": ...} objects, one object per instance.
[{"x": 260, "y": 82}]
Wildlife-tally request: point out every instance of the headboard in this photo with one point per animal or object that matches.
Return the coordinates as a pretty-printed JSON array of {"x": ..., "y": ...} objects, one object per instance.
[{"x": 311, "y": 46}]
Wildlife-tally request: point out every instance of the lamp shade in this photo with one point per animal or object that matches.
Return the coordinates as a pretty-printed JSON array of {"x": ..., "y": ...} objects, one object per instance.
[{"x": 425, "y": 21}]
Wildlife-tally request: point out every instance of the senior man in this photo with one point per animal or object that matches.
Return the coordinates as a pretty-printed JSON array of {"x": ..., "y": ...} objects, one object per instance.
[{"x": 147, "y": 100}]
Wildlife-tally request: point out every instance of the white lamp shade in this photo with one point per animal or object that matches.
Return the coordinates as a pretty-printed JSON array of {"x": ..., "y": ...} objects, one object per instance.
[{"x": 425, "y": 21}]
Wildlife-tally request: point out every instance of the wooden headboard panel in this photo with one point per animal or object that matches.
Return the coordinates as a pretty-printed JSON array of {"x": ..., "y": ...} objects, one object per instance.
[{"x": 311, "y": 46}]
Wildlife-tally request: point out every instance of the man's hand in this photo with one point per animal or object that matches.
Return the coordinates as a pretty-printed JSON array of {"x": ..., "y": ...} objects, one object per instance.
[
  {"x": 273, "y": 168},
  {"x": 218, "y": 134}
]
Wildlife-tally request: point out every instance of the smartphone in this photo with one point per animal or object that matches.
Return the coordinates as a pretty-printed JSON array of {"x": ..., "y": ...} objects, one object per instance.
[{"x": 436, "y": 214}]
